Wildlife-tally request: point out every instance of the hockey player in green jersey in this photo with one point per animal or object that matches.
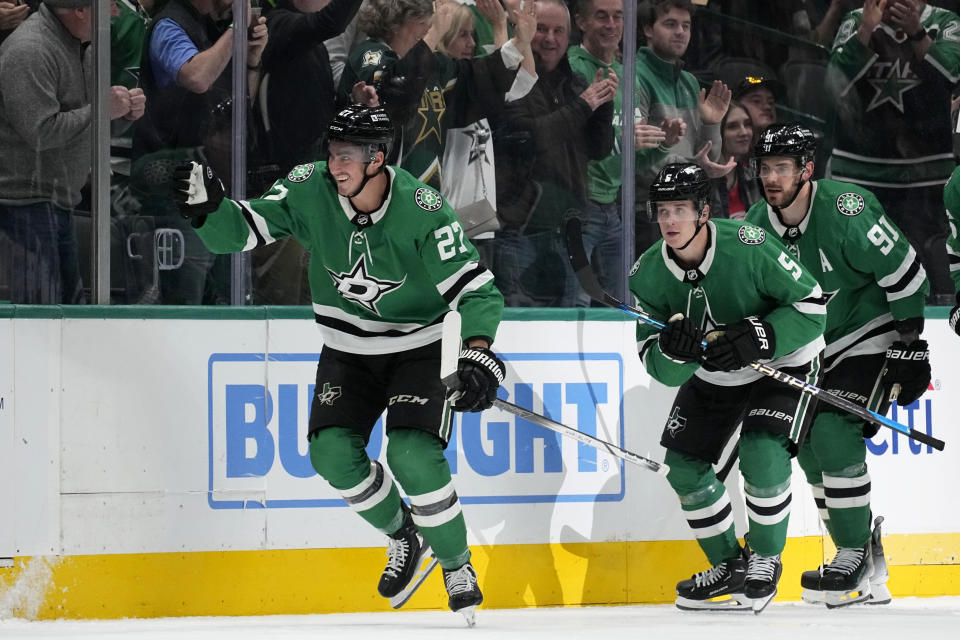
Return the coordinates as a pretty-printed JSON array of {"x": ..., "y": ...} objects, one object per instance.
[
  {"x": 387, "y": 260},
  {"x": 736, "y": 288},
  {"x": 875, "y": 287},
  {"x": 951, "y": 201}
]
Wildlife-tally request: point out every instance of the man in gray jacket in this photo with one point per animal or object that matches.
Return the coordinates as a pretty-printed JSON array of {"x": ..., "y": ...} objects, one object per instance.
[{"x": 45, "y": 134}]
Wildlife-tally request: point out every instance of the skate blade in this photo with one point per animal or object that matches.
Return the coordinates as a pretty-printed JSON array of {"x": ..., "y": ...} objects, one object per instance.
[
  {"x": 470, "y": 615},
  {"x": 813, "y": 596},
  {"x": 839, "y": 599},
  {"x": 730, "y": 602},
  {"x": 759, "y": 604},
  {"x": 426, "y": 567},
  {"x": 879, "y": 593}
]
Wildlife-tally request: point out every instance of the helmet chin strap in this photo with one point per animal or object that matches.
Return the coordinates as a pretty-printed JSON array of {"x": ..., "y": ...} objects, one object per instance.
[
  {"x": 796, "y": 192},
  {"x": 699, "y": 227}
]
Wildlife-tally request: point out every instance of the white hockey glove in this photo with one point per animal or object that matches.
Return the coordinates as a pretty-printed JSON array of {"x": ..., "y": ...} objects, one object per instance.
[
  {"x": 197, "y": 189},
  {"x": 479, "y": 374}
]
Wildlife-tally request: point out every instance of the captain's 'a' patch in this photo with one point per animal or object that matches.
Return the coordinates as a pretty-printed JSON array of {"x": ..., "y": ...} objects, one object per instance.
[
  {"x": 751, "y": 235},
  {"x": 428, "y": 199}
]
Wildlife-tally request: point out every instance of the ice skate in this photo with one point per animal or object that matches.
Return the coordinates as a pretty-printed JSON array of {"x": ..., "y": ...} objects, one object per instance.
[
  {"x": 842, "y": 582},
  {"x": 719, "y": 588},
  {"x": 763, "y": 576},
  {"x": 879, "y": 593},
  {"x": 409, "y": 562},
  {"x": 464, "y": 591}
]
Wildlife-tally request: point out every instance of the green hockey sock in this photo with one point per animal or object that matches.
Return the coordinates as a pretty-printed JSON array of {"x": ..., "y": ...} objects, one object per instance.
[{"x": 416, "y": 457}]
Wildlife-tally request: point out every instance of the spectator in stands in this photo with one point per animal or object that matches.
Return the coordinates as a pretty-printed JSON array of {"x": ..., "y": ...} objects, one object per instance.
[
  {"x": 45, "y": 135},
  {"x": 468, "y": 152},
  {"x": 828, "y": 21},
  {"x": 300, "y": 98},
  {"x": 186, "y": 73},
  {"x": 295, "y": 104},
  {"x": 601, "y": 26},
  {"x": 12, "y": 15},
  {"x": 759, "y": 96},
  {"x": 672, "y": 98},
  {"x": 425, "y": 92},
  {"x": 542, "y": 144},
  {"x": 735, "y": 192},
  {"x": 491, "y": 27},
  {"x": 891, "y": 73}
]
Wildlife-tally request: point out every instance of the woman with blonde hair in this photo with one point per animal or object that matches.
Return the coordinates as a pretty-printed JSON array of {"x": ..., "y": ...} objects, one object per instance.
[{"x": 427, "y": 92}]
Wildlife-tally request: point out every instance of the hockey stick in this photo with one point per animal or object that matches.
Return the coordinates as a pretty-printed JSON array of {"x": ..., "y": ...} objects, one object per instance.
[
  {"x": 588, "y": 280},
  {"x": 450, "y": 353}
]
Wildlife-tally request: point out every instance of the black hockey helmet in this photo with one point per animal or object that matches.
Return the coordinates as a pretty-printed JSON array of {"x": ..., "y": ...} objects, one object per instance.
[
  {"x": 679, "y": 181},
  {"x": 362, "y": 125},
  {"x": 788, "y": 139}
]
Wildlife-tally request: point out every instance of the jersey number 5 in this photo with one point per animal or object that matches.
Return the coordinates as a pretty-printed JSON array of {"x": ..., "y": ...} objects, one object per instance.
[
  {"x": 790, "y": 266},
  {"x": 450, "y": 240}
]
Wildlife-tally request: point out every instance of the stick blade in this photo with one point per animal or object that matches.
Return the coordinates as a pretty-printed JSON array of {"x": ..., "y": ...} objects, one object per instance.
[
  {"x": 450, "y": 342},
  {"x": 573, "y": 232}
]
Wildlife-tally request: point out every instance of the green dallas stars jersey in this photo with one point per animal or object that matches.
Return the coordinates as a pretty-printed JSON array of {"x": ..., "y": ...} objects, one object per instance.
[
  {"x": 886, "y": 88},
  {"x": 869, "y": 272},
  {"x": 745, "y": 272},
  {"x": 951, "y": 201},
  {"x": 382, "y": 284}
]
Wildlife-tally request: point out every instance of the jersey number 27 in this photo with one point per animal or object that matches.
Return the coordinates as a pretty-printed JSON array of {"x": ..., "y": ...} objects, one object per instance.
[{"x": 450, "y": 240}]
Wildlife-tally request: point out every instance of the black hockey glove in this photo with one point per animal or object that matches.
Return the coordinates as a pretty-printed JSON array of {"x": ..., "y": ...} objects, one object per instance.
[
  {"x": 739, "y": 344},
  {"x": 909, "y": 367},
  {"x": 197, "y": 189},
  {"x": 955, "y": 316},
  {"x": 479, "y": 374},
  {"x": 681, "y": 340}
]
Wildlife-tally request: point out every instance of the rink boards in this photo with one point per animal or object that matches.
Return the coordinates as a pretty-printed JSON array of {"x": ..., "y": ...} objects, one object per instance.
[{"x": 160, "y": 468}]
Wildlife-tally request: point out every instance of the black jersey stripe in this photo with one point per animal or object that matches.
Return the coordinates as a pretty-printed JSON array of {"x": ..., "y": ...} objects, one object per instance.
[
  {"x": 769, "y": 511},
  {"x": 886, "y": 327},
  {"x": 346, "y": 327},
  {"x": 907, "y": 278},
  {"x": 248, "y": 216},
  {"x": 846, "y": 492},
  {"x": 709, "y": 521},
  {"x": 451, "y": 294}
]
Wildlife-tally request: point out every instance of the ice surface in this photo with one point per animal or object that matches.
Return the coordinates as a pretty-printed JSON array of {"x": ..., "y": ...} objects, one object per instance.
[{"x": 919, "y": 618}]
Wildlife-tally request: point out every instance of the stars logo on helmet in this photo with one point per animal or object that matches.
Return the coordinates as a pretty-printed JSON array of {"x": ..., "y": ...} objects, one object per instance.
[{"x": 360, "y": 287}]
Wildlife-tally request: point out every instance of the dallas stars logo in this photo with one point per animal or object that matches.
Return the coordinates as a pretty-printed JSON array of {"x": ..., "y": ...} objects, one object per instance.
[
  {"x": 359, "y": 286},
  {"x": 328, "y": 394},
  {"x": 428, "y": 199},
  {"x": 850, "y": 204},
  {"x": 751, "y": 235},
  {"x": 431, "y": 109},
  {"x": 676, "y": 423},
  {"x": 892, "y": 87}
]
